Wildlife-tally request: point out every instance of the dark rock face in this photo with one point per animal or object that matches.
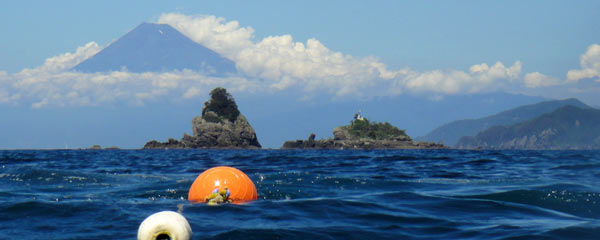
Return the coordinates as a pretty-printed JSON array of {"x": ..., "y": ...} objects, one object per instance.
[
  {"x": 343, "y": 139},
  {"x": 224, "y": 134},
  {"x": 301, "y": 144},
  {"x": 225, "y": 128},
  {"x": 172, "y": 143}
]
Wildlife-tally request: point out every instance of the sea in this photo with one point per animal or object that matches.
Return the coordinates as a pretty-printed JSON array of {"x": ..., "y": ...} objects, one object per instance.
[{"x": 306, "y": 194}]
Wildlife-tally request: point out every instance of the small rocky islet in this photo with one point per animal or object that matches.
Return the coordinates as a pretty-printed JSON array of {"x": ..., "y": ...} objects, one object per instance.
[
  {"x": 363, "y": 134},
  {"x": 221, "y": 126}
]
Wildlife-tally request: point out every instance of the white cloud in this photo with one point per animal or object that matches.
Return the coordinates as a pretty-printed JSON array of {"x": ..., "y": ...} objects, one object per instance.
[
  {"x": 192, "y": 92},
  {"x": 5, "y": 91},
  {"x": 536, "y": 79},
  {"x": 67, "y": 60},
  {"x": 284, "y": 63},
  {"x": 279, "y": 60},
  {"x": 480, "y": 78},
  {"x": 226, "y": 38},
  {"x": 590, "y": 65},
  {"x": 275, "y": 63},
  {"x": 497, "y": 71},
  {"x": 53, "y": 84}
]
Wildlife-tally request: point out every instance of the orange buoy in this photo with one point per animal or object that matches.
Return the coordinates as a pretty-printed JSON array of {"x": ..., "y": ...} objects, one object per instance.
[{"x": 240, "y": 186}]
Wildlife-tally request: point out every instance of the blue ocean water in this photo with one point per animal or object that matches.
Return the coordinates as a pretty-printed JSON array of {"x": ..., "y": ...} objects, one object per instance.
[{"x": 404, "y": 194}]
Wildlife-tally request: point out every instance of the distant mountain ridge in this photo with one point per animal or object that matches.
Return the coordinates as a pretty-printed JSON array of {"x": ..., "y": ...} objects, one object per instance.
[
  {"x": 450, "y": 133},
  {"x": 154, "y": 47},
  {"x": 569, "y": 127}
]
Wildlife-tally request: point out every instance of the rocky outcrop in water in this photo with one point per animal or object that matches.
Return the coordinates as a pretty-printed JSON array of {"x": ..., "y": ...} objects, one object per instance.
[
  {"x": 362, "y": 134},
  {"x": 221, "y": 125}
]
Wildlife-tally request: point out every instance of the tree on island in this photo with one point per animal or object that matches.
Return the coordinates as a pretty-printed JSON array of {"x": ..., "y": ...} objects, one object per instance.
[
  {"x": 221, "y": 103},
  {"x": 362, "y": 128}
]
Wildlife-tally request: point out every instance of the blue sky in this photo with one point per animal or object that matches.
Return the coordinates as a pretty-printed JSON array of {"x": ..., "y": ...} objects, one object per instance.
[{"x": 342, "y": 49}]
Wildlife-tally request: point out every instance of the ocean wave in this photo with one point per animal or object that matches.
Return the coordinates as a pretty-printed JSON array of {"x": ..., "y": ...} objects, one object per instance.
[
  {"x": 579, "y": 167},
  {"x": 582, "y": 204},
  {"x": 450, "y": 194}
]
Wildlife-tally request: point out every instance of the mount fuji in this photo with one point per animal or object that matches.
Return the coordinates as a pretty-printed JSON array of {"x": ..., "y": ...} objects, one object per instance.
[{"x": 154, "y": 47}]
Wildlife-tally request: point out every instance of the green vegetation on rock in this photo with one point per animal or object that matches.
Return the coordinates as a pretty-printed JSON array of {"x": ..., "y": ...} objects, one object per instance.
[
  {"x": 379, "y": 131},
  {"x": 221, "y": 103},
  {"x": 362, "y": 134}
]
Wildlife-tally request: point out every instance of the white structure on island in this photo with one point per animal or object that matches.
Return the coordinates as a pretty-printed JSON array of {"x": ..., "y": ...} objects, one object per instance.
[{"x": 358, "y": 116}]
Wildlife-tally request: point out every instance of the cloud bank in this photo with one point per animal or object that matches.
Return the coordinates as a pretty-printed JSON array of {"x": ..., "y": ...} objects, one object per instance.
[
  {"x": 275, "y": 63},
  {"x": 54, "y": 84},
  {"x": 590, "y": 65},
  {"x": 284, "y": 63}
]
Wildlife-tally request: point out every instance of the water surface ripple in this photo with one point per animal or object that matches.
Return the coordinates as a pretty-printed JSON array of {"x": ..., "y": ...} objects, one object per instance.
[{"x": 329, "y": 194}]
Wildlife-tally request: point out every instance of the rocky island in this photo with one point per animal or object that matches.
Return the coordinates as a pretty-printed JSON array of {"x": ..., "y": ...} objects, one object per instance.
[
  {"x": 220, "y": 126},
  {"x": 363, "y": 134}
]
